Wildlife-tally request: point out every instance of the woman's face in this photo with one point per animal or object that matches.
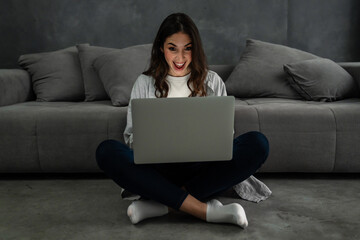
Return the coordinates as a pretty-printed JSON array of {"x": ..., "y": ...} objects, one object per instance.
[{"x": 177, "y": 53}]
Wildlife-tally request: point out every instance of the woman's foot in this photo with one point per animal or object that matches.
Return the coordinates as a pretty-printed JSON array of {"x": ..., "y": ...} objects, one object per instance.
[
  {"x": 143, "y": 209},
  {"x": 232, "y": 213}
]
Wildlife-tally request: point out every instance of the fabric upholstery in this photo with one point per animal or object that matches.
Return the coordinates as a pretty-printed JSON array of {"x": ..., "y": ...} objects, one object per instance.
[
  {"x": 57, "y": 136},
  {"x": 18, "y": 146},
  {"x": 94, "y": 89},
  {"x": 15, "y": 86},
  {"x": 118, "y": 70},
  {"x": 56, "y": 76},
  {"x": 223, "y": 71},
  {"x": 320, "y": 80},
  {"x": 304, "y": 136},
  {"x": 347, "y": 115},
  {"x": 354, "y": 69},
  {"x": 260, "y": 73},
  {"x": 298, "y": 134}
]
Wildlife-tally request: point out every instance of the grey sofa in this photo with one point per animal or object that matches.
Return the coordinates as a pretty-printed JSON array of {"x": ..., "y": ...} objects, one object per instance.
[
  {"x": 304, "y": 136},
  {"x": 62, "y": 136}
]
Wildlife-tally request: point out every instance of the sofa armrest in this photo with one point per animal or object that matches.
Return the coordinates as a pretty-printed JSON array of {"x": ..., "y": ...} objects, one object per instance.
[
  {"x": 15, "y": 86},
  {"x": 353, "y": 68}
]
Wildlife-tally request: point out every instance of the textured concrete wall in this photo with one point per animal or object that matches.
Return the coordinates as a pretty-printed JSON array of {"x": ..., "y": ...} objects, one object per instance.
[{"x": 329, "y": 28}]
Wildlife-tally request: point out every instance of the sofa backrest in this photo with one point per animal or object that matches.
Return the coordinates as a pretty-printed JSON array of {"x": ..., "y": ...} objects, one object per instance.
[
  {"x": 353, "y": 68},
  {"x": 222, "y": 70}
]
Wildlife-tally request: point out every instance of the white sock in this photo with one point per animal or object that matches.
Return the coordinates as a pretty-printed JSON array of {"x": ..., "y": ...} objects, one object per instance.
[
  {"x": 142, "y": 209},
  {"x": 232, "y": 213}
]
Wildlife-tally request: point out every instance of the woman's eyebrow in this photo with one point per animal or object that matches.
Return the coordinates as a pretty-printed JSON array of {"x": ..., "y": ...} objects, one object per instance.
[{"x": 176, "y": 46}]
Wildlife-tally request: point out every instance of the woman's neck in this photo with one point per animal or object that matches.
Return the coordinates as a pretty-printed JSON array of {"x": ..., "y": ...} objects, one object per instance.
[
  {"x": 172, "y": 75},
  {"x": 177, "y": 78}
]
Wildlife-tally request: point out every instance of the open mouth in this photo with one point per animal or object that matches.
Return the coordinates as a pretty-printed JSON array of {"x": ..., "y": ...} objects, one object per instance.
[{"x": 179, "y": 66}]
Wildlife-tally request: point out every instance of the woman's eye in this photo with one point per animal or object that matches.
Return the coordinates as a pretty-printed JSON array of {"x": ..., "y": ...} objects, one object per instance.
[
  {"x": 188, "y": 49},
  {"x": 171, "y": 48}
]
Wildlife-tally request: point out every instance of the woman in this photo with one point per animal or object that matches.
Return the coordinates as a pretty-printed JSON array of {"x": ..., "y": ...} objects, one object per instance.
[{"x": 178, "y": 68}]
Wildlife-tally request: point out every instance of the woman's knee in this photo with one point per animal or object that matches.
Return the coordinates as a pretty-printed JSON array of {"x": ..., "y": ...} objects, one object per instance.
[
  {"x": 258, "y": 143},
  {"x": 261, "y": 141},
  {"x": 104, "y": 151}
]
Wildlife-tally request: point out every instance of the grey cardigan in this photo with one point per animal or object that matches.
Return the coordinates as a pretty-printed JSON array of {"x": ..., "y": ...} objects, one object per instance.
[{"x": 144, "y": 87}]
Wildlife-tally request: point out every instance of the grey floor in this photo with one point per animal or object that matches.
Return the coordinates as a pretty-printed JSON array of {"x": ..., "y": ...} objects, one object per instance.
[{"x": 310, "y": 206}]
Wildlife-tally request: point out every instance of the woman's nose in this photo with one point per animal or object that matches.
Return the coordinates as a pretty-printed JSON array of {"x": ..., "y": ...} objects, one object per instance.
[{"x": 180, "y": 57}]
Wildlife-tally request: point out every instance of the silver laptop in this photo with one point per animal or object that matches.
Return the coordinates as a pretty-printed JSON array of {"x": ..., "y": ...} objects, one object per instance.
[{"x": 191, "y": 129}]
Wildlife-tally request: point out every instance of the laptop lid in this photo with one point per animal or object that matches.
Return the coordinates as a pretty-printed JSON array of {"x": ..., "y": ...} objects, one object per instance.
[{"x": 189, "y": 129}]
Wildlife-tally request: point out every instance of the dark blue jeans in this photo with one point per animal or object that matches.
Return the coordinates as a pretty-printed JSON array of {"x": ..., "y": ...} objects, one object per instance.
[{"x": 163, "y": 182}]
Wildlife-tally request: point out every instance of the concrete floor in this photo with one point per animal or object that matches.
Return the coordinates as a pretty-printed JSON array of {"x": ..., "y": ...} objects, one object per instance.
[{"x": 310, "y": 206}]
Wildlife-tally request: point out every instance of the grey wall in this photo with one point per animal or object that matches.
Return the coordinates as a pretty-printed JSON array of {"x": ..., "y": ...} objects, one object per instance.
[{"x": 329, "y": 28}]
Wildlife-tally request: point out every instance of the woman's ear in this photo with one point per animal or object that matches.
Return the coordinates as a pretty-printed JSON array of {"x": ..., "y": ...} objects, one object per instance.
[{"x": 161, "y": 49}]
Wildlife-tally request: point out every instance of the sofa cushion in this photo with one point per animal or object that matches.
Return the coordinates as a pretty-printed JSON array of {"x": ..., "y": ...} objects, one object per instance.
[
  {"x": 15, "y": 86},
  {"x": 18, "y": 145},
  {"x": 353, "y": 68},
  {"x": 223, "y": 71},
  {"x": 260, "y": 73},
  {"x": 347, "y": 115},
  {"x": 57, "y": 136},
  {"x": 304, "y": 136},
  {"x": 320, "y": 80},
  {"x": 118, "y": 70},
  {"x": 94, "y": 89},
  {"x": 55, "y": 76}
]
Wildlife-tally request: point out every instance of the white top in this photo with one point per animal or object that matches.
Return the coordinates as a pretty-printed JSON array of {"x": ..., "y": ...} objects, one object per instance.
[{"x": 178, "y": 86}]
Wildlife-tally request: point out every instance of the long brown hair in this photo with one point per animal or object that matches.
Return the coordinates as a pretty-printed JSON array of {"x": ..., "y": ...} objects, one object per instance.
[{"x": 174, "y": 23}]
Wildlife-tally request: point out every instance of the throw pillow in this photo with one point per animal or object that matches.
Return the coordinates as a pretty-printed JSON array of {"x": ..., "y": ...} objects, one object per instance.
[
  {"x": 94, "y": 89},
  {"x": 320, "y": 80},
  {"x": 55, "y": 76},
  {"x": 260, "y": 73},
  {"x": 119, "y": 70}
]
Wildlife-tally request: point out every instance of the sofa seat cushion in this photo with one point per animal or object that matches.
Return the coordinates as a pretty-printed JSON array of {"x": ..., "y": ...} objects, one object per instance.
[
  {"x": 255, "y": 101},
  {"x": 347, "y": 116},
  {"x": 58, "y": 136},
  {"x": 304, "y": 136}
]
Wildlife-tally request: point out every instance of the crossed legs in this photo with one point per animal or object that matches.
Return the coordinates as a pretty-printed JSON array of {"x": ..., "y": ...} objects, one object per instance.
[{"x": 162, "y": 182}]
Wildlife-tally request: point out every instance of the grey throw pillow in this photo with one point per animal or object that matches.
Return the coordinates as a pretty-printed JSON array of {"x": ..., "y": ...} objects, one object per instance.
[
  {"x": 118, "y": 71},
  {"x": 260, "y": 73},
  {"x": 321, "y": 80},
  {"x": 94, "y": 89},
  {"x": 55, "y": 76}
]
